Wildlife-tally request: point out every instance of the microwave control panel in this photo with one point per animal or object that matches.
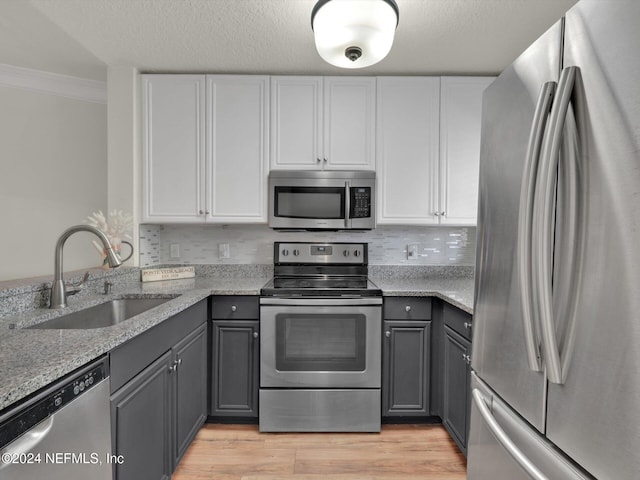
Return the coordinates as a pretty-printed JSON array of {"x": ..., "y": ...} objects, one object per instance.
[{"x": 360, "y": 202}]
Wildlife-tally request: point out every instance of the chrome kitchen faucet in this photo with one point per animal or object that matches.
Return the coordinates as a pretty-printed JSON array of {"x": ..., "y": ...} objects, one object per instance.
[{"x": 58, "y": 288}]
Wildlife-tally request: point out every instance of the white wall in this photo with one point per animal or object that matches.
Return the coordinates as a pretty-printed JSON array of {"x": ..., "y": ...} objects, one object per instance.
[
  {"x": 53, "y": 174},
  {"x": 124, "y": 157}
]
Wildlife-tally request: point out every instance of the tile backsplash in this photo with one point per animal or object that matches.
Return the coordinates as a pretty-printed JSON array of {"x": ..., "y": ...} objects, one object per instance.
[{"x": 253, "y": 244}]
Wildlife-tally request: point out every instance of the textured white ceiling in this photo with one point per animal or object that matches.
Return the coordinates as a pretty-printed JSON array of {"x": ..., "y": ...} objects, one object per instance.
[{"x": 274, "y": 36}]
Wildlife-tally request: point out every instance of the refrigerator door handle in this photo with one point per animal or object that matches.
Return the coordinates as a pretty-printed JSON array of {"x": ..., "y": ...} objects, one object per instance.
[
  {"x": 525, "y": 223},
  {"x": 503, "y": 439},
  {"x": 544, "y": 213}
]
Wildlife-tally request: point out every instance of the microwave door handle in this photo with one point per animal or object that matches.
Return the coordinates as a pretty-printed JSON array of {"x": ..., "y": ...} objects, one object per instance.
[{"x": 347, "y": 204}]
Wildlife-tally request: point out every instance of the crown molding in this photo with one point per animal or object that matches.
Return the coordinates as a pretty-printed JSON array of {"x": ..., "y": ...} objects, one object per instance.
[{"x": 53, "y": 83}]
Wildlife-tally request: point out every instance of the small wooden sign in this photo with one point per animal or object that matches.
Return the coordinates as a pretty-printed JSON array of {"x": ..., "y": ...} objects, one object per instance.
[{"x": 169, "y": 273}]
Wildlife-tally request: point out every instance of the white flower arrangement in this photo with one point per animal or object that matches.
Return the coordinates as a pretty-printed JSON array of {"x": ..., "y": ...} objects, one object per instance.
[{"x": 117, "y": 227}]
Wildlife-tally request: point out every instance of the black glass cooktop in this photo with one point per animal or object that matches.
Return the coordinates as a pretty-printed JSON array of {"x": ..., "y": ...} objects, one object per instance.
[{"x": 320, "y": 285}]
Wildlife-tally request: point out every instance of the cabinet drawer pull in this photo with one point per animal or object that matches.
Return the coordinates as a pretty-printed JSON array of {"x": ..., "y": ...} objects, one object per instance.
[
  {"x": 407, "y": 308},
  {"x": 234, "y": 308}
]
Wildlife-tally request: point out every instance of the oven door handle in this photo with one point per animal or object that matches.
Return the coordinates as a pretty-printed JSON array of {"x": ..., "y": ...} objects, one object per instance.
[{"x": 333, "y": 301}]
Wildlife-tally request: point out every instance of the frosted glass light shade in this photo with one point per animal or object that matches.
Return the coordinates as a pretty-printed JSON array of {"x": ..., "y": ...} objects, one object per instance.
[{"x": 361, "y": 29}]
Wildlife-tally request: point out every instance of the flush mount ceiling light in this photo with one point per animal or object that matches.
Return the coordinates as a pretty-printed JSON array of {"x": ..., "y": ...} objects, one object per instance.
[{"x": 354, "y": 33}]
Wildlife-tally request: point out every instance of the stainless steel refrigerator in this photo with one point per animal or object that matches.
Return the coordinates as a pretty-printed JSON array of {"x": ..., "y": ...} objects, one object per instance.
[{"x": 556, "y": 342}]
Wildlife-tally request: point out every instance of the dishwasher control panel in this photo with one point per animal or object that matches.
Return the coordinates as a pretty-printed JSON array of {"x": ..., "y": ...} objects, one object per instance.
[{"x": 49, "y": 402}]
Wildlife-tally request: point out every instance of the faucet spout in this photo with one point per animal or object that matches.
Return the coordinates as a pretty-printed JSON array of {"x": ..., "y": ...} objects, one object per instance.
[{"x": 58, "y": 289}]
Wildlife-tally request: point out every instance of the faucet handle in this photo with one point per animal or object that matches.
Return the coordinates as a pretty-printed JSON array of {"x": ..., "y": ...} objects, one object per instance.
[{"x": 73, "y": 288}]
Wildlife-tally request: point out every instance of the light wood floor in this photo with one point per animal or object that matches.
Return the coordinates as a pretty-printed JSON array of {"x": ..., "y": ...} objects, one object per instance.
[{"x": 399, "y": 452}]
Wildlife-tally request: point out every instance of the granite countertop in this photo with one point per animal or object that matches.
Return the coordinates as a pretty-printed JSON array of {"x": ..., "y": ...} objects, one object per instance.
[
  {"x": 31, "y": 359},
  {"x": 458, "y": 291}
]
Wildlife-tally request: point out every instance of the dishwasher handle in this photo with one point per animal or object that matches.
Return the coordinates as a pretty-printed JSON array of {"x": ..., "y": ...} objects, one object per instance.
[{"x": 27, "y": 442}]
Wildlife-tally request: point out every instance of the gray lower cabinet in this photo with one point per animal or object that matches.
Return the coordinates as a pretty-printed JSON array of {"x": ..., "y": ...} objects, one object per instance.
[
  {"x": 406, "y": 357},
  {"x": 235, "y": 357},
  {"x": 456, "y": 377},
  {"x": 140, "y": 411},
  {"x": 190, "y": 377},
  {"x": 159, "y": 395}
]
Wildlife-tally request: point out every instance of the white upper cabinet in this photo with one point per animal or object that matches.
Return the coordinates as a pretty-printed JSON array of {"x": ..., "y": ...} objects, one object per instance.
[
  {"x": 296, "y": 123},
  {"x": 209, "y": 140},
  {"x": 322, "y": 122},
  {"x": 460, "y": 120},
  {"x": 205, "y": 168},
  {"x": 237, "y": 148},
  {"x": 407, "y": 149},
  {"x": 428, "y": 149},
  {"x": 173, "y": 148},
  {"x": 349, "y": 123}
]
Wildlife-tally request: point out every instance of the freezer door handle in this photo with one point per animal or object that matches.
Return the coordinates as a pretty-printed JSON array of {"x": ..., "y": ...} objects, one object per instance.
[
  {"x": 544, "y": 220},
  {"x": 525, "y": 223},
  {"x": 503, "y": 439}
]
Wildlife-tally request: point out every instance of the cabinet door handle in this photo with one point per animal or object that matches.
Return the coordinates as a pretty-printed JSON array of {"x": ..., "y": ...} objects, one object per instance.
[
  {"x": 201, "y": 212},
  {"x": 387, "y": 334},
  {"x": 467, "y": 325},
  {"x": 324, "y": 160},
  {"x": 317, "y": 160},
  {"x": 255, "y": 334}
]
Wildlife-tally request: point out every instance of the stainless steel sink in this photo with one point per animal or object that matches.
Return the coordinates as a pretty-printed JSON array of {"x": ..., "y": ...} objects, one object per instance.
[{"x": 105, "y": 314}]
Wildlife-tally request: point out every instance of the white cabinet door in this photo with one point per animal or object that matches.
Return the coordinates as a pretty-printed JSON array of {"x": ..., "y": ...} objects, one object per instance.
[
  {"x": 296, "y": 122},
  {"x": 173, "y": 148},
  {"x": 237, "y": 148},
  {"x": 349, "y": 123},
  {"x": 460, "y": 119},
  {"x": 322, "y": 123},
  {"x": 407, "y": 149}
]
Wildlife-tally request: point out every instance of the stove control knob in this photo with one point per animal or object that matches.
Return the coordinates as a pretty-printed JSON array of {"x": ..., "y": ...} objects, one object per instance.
[
  {"x": 296, "y": 252},
  {"x": 285, "y": 252},
  {"x": 346, "y": 253}
]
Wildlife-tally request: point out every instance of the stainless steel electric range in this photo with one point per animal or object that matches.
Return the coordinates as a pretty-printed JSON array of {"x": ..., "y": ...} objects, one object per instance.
[{"x": 320, "y": 340}]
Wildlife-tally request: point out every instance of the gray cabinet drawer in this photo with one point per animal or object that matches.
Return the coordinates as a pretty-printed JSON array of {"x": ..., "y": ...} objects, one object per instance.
[
  {"x": 239, "y": 307},
  {"x": 458, "y": 320},
  {"x": 407, "y": 308}
]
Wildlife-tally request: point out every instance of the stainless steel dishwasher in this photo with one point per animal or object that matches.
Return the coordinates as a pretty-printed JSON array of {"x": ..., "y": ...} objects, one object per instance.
[{"x": 63, "y": 432}]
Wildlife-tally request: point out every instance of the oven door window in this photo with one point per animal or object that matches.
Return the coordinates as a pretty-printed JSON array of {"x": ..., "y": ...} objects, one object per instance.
[
  {"x": 310, "y": 202},
  {"x": 318, "y": 342}
]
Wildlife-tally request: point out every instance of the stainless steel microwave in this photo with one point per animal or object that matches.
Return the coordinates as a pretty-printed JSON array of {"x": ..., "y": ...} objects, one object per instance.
[{"x": 322, "y": 200}]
